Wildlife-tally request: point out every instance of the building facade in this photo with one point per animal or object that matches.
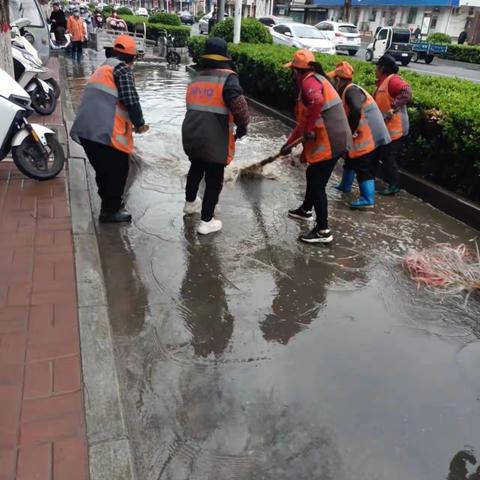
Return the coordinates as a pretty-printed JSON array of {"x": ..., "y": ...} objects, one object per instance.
[{"x": 445, "y": 16}]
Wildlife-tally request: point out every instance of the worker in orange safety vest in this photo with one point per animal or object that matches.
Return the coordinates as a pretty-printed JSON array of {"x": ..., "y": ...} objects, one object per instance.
[
  {"x": 323, "y": 125},
  {"x": 392, "y": 95},
  {"x": 369, "y": 133},
  {"x": 108, "y": 115},
  {"x": 215, "y": 106}
]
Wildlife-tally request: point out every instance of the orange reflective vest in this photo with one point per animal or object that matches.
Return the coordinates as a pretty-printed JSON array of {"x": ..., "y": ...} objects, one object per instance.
[
  {"x": 101, "y": 117},
  {"x": 208, "y": 128},
  {"x": 371, "y": 131},
  {"x": 398, "y": 124},
  {"x": 76, "y": 28},
  {"x": 332, "y": 133}
]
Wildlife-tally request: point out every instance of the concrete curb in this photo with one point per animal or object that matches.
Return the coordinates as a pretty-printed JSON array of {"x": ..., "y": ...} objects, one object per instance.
[{"x": 109, "y": 451}]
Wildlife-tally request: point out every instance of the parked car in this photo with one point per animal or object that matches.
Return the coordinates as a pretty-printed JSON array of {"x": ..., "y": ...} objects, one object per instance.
[
  {"x": 345, "y": 36},
  {"x": 203, "y": 23},
  {"x": 141, "y": 12},
  {"x": 186, "y": 17},
  {"x": 300, "y": 35},
  {"x": 270, "y": 21},
  {"x": 394, "y": 41}
]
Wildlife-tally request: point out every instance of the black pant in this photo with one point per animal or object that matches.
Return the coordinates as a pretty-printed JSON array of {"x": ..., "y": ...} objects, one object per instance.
[
  {"x": 213, "y": 173},
  {"x": 77, "y": 50},
  {"x": 389, "y": 154},
  {"x": 111, "y": 169},
  {"x": 318, "y": 175},
  {"x": 363, "y": 166}
]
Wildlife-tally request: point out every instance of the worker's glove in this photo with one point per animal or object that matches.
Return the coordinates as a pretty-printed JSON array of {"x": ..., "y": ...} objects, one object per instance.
[
  {"x": 142, "y": 129},
  {"x": 241, "y": 132},
  {"x": 388, "y": 115},
  {"x": 286, "y": 149},
  {"x": 309, "y": 136}
]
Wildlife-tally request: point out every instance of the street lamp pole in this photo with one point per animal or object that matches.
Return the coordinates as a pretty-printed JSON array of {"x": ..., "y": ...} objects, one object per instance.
[
  {"x": 237, "y": 25},
  {"x": 221, "y": 10}
]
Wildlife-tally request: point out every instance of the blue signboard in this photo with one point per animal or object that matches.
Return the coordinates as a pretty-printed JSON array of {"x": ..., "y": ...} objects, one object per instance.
[
  {"x": 405, "y": 3},
  {"x": 328, "y": 3}
]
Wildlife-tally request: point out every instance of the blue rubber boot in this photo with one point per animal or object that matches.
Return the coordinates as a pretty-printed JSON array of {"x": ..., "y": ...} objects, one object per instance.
[
  {"x": 348, "y": 178},
  {"x": 367, "y": 196}
]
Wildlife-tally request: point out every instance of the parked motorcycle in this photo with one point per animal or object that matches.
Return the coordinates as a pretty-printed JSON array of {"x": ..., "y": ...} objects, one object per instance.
[
  {"x": 59, "y": 40},
  {"x": 28, "y": 73},
  {"x": 20, "y": 40},
  {"x": 35, "y": 149}
]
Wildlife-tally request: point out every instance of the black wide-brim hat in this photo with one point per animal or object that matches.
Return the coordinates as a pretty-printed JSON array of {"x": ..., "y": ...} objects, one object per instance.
[{"x": 216, "y": 49}]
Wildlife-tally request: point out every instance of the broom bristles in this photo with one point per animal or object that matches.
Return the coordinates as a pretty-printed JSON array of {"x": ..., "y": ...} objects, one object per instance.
[{"x": 443, "y": 266}]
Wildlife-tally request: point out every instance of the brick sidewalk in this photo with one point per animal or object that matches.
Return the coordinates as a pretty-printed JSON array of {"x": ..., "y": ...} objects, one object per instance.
[{"x": 42, "y": 431}]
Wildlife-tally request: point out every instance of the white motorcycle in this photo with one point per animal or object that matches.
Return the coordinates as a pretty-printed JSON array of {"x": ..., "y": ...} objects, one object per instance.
[
  {"x": 29, "y": 75},
  {"x": 59, "y": 40},
  {"x": 21, "y": 41},
  {"x": 35, "y": 149}
]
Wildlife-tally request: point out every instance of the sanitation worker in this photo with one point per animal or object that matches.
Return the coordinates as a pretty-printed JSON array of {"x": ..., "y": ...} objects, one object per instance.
[
  {"x": 369, "y": 133},
  {"x": 108, "y": 114},
  {"x": 215, "y": 104},
  {"x": 322, "y": 123},
  {"x": 392, "y": 95},
  {"x": 77, "y": 29}
]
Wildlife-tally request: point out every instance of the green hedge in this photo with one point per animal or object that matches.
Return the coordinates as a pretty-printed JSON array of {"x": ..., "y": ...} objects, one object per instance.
[
  {"x": 252, "y": 31},
  {"x": 439, "y": 38},
  {"x": 124, "y": 11},
  {"x": 181, "y": 34},
  {"x": 463, "y": 53},
  {"x": 445, "y": 116},
  {"x": 165, "y": 19}
]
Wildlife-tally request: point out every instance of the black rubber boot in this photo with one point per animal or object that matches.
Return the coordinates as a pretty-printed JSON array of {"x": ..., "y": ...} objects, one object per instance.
[{"x": 118, "y": 217}]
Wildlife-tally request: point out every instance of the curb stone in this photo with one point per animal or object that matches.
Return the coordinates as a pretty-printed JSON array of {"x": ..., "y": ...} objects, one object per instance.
[{"x": 109, "y": 450}]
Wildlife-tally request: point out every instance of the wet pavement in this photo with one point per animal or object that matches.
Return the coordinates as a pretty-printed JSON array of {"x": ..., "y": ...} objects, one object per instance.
[{"x": 247, "y": 355}]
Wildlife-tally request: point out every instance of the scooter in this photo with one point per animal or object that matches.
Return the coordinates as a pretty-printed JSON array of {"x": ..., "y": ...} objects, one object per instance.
[
  {"x": 21, "y": 41},
  {"x": 28, "y": 74},
  {"x": 35, "y": 149},
  {"x": 59, "y": 40}
]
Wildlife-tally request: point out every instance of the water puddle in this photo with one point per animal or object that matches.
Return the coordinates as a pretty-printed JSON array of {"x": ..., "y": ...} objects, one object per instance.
[{"x": 247, "y": 355}]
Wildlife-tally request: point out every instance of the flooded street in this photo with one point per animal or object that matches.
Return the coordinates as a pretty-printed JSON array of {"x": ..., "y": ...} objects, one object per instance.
[{"x": 247, "y": 355}]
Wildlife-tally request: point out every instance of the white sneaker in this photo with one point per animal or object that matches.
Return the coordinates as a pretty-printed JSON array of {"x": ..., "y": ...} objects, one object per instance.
[
  {"x": 193, "y": 207},
  {"x": 213, "y": 225}
]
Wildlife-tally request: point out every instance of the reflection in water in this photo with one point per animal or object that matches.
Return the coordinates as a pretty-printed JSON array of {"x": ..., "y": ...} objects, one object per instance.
[{"x": 203, "y": 294}]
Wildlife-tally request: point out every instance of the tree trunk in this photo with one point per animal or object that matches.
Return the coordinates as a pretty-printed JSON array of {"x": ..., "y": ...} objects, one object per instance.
[{"x": 6, "y": 62}]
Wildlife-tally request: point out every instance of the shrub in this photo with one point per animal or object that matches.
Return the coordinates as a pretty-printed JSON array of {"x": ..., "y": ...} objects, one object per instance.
[
  {"x": 445, "y": 115},
  {"x": 107, "y": 11},
  {"x": 180, "y": 34},
  {"x": 165, "y": 19},
  {"x": 252, "y": 31},
  {"x": 199, "y": 15},
  {"x": 124, "y": 11},
  {"x": 439, "y": 38},
  {"x": 92, "y": 6},
  {"x": 463, "y": 53}
]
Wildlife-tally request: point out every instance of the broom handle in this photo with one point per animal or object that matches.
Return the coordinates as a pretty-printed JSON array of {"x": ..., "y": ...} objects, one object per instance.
[{"x": 279, "y": 154}]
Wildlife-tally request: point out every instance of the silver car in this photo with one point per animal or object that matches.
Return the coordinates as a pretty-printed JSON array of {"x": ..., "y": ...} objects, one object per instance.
[{"x": 299, "y": 35}]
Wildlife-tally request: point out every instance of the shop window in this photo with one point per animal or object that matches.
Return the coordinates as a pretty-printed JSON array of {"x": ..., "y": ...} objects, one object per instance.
[
  {"x": 373, "y": 15},
  {"x": 412, "y": 15}
]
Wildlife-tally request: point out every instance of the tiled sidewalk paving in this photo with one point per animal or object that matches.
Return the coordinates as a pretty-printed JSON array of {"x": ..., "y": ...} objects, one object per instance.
[{"x": 42, "y": 431}]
